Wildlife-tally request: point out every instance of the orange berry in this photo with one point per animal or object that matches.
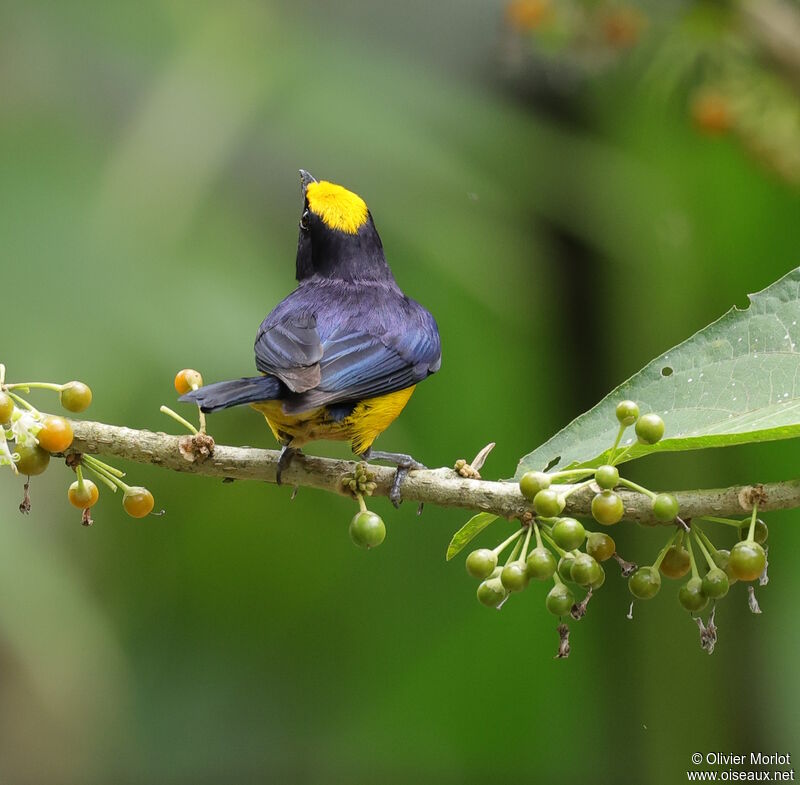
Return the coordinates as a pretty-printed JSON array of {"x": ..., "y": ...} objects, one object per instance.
[
  {"x": 710, "y": 112},
  {"x": 188, "y": 379},
  {"x": 527, "y": 14},
  {"x": 55, "y": 434},
  {"x": 138, "y": 502},
  {"x": 85, "y": 497}
]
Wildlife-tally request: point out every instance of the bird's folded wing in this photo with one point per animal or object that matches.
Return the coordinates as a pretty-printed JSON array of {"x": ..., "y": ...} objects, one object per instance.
[{"x": 291, "y": 350}]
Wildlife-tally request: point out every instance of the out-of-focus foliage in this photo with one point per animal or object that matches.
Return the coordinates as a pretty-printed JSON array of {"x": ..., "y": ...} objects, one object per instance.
[{"x": 149, "y": 157}]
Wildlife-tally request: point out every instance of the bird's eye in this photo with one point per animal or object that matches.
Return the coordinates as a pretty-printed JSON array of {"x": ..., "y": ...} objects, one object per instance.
[{"x": 304, "y": 221}]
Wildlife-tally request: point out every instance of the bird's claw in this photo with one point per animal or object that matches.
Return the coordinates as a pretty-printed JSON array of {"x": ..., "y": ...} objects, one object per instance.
[
  {"x": 404, "y": 464},
  {"x": 284, "y": 459}
]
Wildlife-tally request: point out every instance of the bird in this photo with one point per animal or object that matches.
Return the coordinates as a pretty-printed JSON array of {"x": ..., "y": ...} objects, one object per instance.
[{"x": 339, "y": 357}]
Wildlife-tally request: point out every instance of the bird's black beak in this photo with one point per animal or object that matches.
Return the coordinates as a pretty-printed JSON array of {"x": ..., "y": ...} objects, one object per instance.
[{"x": 305, "y": 179}]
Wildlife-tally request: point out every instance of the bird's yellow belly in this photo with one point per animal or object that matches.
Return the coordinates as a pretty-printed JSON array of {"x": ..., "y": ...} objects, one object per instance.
[{"x": 369, "y": 418}]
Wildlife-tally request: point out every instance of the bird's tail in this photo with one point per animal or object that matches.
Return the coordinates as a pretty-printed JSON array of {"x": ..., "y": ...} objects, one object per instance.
[{"x": 223, "y": 395}]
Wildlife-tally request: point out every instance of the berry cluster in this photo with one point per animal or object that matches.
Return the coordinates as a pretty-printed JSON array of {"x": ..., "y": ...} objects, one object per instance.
[
  {"x": 572, "y": 557},
  {"x": 367, "y": 529},
  {"x": 29, "y": 438}
]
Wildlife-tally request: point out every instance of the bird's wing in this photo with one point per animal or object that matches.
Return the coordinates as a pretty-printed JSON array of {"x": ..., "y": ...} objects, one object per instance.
[
  {"x": 290, "y": 349},
  {"x": 365, "y": 362}
]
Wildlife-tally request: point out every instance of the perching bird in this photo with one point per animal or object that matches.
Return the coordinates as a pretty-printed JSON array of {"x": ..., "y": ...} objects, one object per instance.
[{"x": 341, "y": 355}]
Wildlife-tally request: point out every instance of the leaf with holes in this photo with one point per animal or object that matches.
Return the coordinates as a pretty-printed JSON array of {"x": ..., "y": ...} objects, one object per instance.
[
  {"x": 733, "y": 382},
  {"x": 472, "y": 528}
]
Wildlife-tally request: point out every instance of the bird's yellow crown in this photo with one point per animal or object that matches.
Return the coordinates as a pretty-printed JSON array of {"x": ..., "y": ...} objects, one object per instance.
[{"x": 336, "y": 206}]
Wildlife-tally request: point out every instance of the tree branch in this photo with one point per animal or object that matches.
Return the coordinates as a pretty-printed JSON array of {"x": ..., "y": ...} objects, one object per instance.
[{"x": 442, "y": 487}]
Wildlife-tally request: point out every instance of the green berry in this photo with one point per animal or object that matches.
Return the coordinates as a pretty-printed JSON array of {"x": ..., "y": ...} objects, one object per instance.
[
  {"x": 547, "y": 504},
  {"x": 568, "y": 533},
  {"x": 627, "y": 412},
  {"x": 585, "y": 570},
  {"x": 607, "y": 477},
  {"x": 665, "y": 507},
  {"x": 715, "y": 583},
  {"x": 596, "y": 584},
  {"x": 481, "y": 563},
  {"x": 515, "y": 576},
  {"x": 607, "y": 508},
  {"x": 533, "y": 482},
  {"x": 747, "y": 560},
  {"x": 367, "y": 530},
  {"x": 691, "y": 596},
  {"x": 75, "y": 396},
  {"x": 649, "y": 428},
  {"x": 6, "y": 408},
  {"x": 32, "y": 459},
  {"x": 600, "y": 545},
  {"x": 644, "y": 583},
  {"x": 760, "y": 533},
  {"x": 541, "y": 564},
  {"x": 559, "y": 600},
  {"x": 565, "y": 567},
  {"x": 722, "y": 558},
  {"x": 676, "y": 562},
  {"x": 492, "y": 592}
]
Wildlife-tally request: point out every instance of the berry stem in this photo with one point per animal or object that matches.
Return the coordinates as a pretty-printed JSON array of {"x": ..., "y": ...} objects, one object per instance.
[
  {"x": 22, "y": 402},
  {"x": 695, "y": 571},
  {"x": 572, "y": 473},
  {"x": 636, "y": 487},
  {"x": 751, "y": 534},
  {"x": 101, "y": 469},
  {"x": 514, "y": 551},
  {"x": 727, "y": 521},
  {"x": 503, "y": 545},
  {"x": 622, "y": 455},
  {"x": 79, "y": 472},
  {"x": 175, "y": 416},
  {"x": 574, "y": 489},
  {"x": 613, "y": 451},
  {"x": 703, "y": 548},
  {"x": 102, "y": 477},
  {"x": 704, "y": 537},
  {"x": 552, "y": 543},
  {"x": 362, "y": 505},
  {"x": 663, "y": 552},
  {"x": 538, "y": 535},
  {"x": 103, "y": 465},
  {"x": 524, "y": 553},
  {"x": 26, "y": 386}
]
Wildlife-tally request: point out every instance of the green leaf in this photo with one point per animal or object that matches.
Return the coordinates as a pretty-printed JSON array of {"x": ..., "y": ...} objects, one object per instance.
[
  {"x": 733, "y": 382},
  {"x": 472, "y": 528}
]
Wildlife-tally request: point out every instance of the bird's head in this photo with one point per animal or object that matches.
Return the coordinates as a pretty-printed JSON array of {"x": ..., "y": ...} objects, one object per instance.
[{"x": 337, "y": 237}]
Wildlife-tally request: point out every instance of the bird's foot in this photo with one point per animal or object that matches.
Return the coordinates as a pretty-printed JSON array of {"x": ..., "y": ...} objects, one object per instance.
[
  {"x": 284, "y": 459},
  {"x": 404, "y": 463}
]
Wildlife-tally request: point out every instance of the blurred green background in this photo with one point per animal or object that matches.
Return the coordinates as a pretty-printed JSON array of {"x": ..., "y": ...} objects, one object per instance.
[{"x": 563, "y": 232}]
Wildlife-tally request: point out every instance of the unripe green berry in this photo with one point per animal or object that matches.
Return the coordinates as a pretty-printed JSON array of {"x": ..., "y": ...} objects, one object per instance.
[
  {"x": 547, "y": 504},
  {"x": 607, "y": 508},
  {"x": 649, "y": 428},
  {"x": 533, "y": 482},
  {"x": 559, "y": 600},
  {"x": 627, "y": 412},
  {"x": 607, "y": 477},
  {"x": 6, "y": 407},
  {"x": 32, "y": 459},
  {"x": 515, "y": 576},
  {"x": 600, "y": 580},
  {"x": 481, "y": 563},
  {"x": 665, "y": 507},
  {"x": 691, "y": 596},
  {"x": 600, "y": 545},
  {"x": 645, "y": 583},
  {"x": 491, "y": 593},
  {"x": 760, "y": 533},
  {"x": 568, "y": 533},
  {"x": 676, "y": 562},
  {"x": 715, "y": 583},
  {"x": 565, "y": 567},
  {"x": 541, "y": 564},
  {"x": 585, "y": 570},
  {"x": 367, "y": 530},
  {"x": 747, "y": 560}
]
